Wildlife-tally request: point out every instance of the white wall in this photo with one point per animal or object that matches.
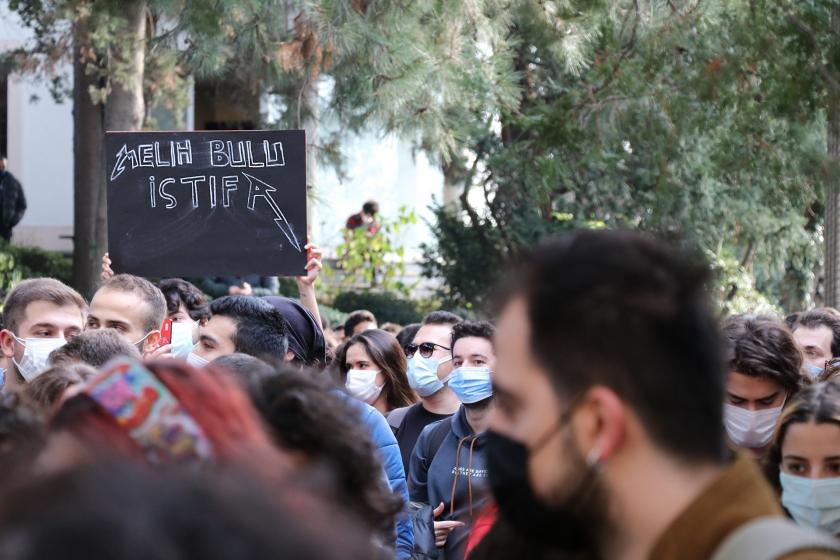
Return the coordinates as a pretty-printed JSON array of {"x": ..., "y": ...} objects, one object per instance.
[{"x": 40, "y": 146}]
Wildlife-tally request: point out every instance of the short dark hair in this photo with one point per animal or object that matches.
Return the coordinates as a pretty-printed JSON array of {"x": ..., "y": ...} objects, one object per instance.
[
  {"x": 406, "y": 335},
  {"x": 47, "y": 389},
  {"x": 38, "y": 289},
  {"x": 249, "y": 371},
  {"x": 763, "y": 347},
  {"x": 479, "y": 329},
  {"x": 260, "y": 328},
  {"x": 94, "y": 348},
  {"x": 370, "y": 207},
  {"x": 820, "y": 318},
  {"x": 146, "y": 291},
  {"x": 630, "y": 312},
  {"x": 441, "y": 318},
  {"x": 177, "y": 292},
  {"x": 355, "y": 318}
]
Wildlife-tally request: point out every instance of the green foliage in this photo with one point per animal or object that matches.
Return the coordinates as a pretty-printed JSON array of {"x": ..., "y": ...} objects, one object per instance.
[
  {"x": 668, "y": 123},
  {"x": 387, "y": 307},
  {"x": 374, "y": 260},
  {"x": 19, "y": 263}
]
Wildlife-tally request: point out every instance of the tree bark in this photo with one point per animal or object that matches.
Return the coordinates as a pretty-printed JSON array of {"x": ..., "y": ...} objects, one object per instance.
[
  {"x": 125, "y": 107},
  {"x": 832, "y": 207},
  {"x": 124, "y": 111},
  {"x": 89, "y": 227}
]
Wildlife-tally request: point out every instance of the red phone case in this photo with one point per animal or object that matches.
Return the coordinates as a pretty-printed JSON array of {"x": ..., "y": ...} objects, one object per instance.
[{"x": 166, "y": 332}]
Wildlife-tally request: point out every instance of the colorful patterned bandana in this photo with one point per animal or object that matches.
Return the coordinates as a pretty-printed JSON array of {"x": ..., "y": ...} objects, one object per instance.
[{"x": 151, "y": 415}]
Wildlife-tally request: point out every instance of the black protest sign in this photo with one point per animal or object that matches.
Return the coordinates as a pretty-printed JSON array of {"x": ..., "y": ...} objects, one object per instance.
[{"x": 207, "y": 203}]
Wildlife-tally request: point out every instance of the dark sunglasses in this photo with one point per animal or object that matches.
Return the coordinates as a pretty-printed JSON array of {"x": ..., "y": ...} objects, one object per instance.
[{"x": 426, "y": 349}]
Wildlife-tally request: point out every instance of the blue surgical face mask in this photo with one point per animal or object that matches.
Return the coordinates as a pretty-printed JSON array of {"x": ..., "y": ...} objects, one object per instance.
[
  {"x": 812, "y": 502},
  {"x": 471, "y": 384},
  {"x": 182, "y": 339},
  {"x": 422, "y": 375},
  {"x": 813, "y": 371}
]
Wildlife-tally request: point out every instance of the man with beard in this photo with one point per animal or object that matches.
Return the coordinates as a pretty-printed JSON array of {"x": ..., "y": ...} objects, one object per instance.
[{"x": 608, "y": 440}]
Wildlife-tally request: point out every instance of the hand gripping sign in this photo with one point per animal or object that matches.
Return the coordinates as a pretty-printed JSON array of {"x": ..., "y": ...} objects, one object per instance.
[{"x": 207, "y": 203}]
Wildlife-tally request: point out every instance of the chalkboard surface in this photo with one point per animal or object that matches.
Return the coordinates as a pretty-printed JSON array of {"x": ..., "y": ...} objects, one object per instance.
[{"x": 207, "y": 203}]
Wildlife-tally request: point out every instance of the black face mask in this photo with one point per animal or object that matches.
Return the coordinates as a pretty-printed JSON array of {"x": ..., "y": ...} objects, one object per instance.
[{"x": 573, "y": 527}]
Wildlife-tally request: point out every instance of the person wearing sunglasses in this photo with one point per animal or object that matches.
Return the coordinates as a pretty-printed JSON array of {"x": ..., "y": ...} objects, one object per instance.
[{"x": 429, "y": 366}]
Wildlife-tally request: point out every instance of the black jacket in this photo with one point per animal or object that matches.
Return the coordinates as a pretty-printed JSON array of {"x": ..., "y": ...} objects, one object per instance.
[{"x": 12, "y": 201}]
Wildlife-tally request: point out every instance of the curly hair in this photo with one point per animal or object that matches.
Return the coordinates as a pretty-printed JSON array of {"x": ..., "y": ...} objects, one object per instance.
[{"x": 307, "y": 415}]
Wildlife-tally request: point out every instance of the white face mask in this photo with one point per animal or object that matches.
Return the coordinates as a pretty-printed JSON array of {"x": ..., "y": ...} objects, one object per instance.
[
  {"x": 182, "y": 339},
  {"x": 361, "y": 383},
  {"x": 750, "y": 428},
  {"x": 35, "y": 355},
  {"x": 196, "y": 361},
  {"x": 812, "y": 502}
]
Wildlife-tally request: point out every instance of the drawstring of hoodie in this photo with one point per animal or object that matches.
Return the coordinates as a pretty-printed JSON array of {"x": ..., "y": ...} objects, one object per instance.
[{"x": 458, "y": 472}]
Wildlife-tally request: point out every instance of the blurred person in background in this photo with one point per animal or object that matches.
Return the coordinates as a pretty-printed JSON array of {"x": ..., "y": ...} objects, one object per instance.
[
  {"x": 372, "y": 367},
  {"x": 817, "y": 334},
  {"x": 367, "y": 218},
  {"x": 12, "y": 200},
  {"x": 357, "y": 322},
  {"x": 804, "y": 460},
  {"x": 40, "y": 315},
  {"x": 764, "y": 371}
]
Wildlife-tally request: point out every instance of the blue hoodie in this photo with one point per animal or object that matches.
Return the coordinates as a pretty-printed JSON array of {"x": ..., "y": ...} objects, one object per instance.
[
  {"x": 389, "y": 453},
  {"x": 460, "y": 457}
]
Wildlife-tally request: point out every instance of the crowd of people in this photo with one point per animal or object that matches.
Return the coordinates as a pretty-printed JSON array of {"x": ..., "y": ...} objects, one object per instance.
[{"x": 603, "y": 411}]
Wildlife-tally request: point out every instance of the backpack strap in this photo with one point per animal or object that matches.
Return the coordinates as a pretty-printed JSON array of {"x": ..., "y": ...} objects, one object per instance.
[
  {"x": 437, "y": 436},
  {"x": 395, "y": 417},
  {"x": 771, "y": 538}
]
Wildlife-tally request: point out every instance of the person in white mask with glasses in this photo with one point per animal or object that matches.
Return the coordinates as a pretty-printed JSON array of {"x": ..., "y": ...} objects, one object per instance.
[
  {"x": 429, "y": 365},
  {"x": 804, "y": 460},
  {"x": 764, "y": 367},
  {"x": 40, "y": 314}
]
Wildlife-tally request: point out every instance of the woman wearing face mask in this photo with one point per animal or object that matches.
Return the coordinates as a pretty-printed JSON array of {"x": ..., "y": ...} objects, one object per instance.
[
  {"x": 804, "y": 460},
  {"x": 764, "y": 373},
  {"x": 372, "y": 367}
]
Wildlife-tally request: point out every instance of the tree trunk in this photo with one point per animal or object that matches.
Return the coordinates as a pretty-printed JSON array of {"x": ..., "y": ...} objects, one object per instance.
[
  {"x": 125, "y": 108},
  {"x": 89, "y": 231},
  {"x": 124, "y": 111},
  {"x": 832, "y": 207}
]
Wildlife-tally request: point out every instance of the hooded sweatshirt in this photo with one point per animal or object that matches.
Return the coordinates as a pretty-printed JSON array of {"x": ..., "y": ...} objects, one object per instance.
[{"x": 456, "y": 475}]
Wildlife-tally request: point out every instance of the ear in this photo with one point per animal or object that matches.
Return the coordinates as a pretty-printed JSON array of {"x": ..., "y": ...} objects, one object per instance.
[
  {"x": 7, "y": 343},
  {"x": 601, "y": 423},
  {"x": 152, "y": 342}
]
